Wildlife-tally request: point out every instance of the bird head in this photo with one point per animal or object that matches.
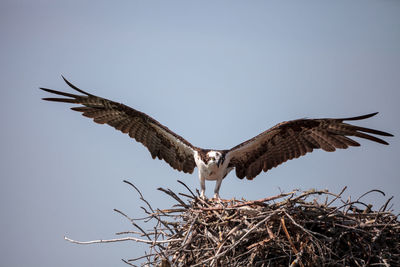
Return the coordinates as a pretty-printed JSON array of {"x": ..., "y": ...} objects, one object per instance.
[{"x": 214, "y": 157}]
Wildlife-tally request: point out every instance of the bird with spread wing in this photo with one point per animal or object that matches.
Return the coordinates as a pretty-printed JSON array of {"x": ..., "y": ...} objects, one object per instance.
[{"x": 285, "y": 141}]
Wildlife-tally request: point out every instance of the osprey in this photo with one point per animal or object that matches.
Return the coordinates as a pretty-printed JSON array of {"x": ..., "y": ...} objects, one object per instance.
[{"x": 285, "y": 141}]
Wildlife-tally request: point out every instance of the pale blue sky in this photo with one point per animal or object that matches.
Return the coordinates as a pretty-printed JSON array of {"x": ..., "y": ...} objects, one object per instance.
[{"x": 216, "y": 72}]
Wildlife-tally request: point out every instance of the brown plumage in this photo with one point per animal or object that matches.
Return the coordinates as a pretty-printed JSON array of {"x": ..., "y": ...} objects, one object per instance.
[
  {"x": 292, "y": 139},
  {"x": 285, "y": 141},
  {"x": 158, "y": 139}
]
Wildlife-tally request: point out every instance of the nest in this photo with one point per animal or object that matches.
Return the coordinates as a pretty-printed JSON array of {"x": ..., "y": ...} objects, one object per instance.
[{"x": 312, "y": 228}]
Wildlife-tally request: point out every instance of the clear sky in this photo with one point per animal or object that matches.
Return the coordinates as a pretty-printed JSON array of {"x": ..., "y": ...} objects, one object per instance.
[{"x": 216, "y": 72}]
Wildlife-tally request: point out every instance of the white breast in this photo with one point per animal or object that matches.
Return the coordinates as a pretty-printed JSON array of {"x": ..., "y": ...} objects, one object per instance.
[{"x": 211, "y": 171}]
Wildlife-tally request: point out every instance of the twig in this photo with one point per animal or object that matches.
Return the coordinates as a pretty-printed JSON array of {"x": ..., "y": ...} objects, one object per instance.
[
  {"x": 291, "y": 243},
  {"x": 237, "y": 242},
  {"x": 130, "y": 238},
  {"x": 191, "y": 192},
  {"x": 249, "y": 203},
  {"x": 140, "y": 194}
]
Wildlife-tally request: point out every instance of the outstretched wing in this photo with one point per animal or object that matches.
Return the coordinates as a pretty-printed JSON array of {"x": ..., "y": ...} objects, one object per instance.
[
  {"x": 159, "y": 140},
  {"x": 292, "y": 139}
]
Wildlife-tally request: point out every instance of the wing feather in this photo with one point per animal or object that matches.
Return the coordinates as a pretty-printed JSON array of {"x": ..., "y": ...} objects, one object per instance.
[
  {"x": 157, "y": 138},
  {"x": 293, "y": 139}
]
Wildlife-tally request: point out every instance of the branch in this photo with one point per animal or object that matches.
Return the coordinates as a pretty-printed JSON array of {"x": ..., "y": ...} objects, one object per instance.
[{"x": 129, "y": 238}]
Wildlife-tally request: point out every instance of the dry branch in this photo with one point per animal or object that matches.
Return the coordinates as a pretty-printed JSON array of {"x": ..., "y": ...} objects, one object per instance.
[{"x": 290, "y": 229}]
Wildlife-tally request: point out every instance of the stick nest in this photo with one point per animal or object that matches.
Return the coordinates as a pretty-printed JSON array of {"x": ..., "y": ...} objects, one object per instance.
[{"x": 312, "y": 228}]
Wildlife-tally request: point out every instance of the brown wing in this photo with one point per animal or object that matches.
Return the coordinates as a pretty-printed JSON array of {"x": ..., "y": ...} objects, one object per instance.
[
  {"x": 159, "y": 140},
  {"x": 292, "y": 139}
]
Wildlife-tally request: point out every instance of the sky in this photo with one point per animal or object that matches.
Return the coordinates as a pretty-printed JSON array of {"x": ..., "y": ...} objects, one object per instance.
[{"x": 215, "y": 72}]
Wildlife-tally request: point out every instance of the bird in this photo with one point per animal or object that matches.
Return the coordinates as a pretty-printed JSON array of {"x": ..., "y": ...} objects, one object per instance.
[{"x": 284, "y": 141}]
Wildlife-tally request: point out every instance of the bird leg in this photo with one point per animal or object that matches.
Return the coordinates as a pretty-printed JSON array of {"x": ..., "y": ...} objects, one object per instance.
[
  {"x": 217, "y": 187},
  {"x": 203, "y": 187}
]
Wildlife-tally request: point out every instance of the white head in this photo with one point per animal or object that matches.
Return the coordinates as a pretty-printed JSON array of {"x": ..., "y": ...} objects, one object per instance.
[{"x": 214, "y": 158}]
